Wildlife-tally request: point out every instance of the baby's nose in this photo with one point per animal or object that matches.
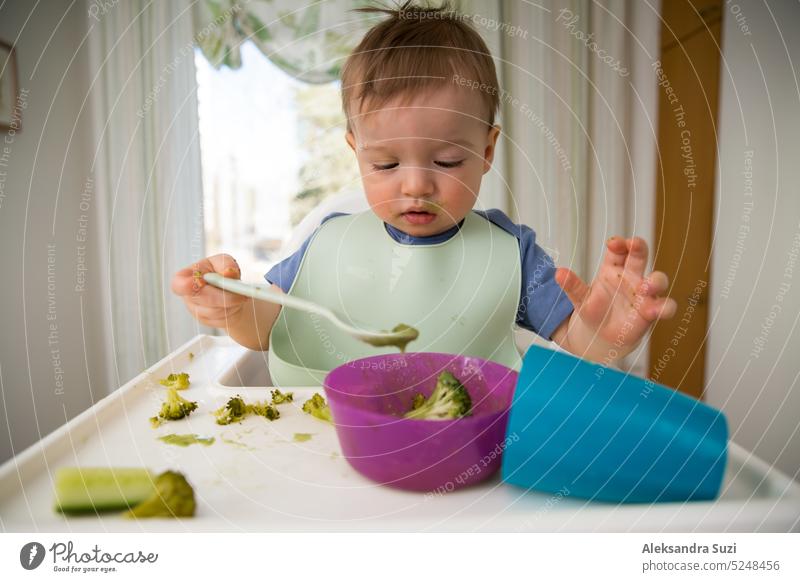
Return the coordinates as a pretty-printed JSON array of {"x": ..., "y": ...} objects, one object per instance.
[{"x": 417, "y": 182}]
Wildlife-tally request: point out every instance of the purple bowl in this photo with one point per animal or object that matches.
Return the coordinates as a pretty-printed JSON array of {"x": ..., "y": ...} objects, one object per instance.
[{"x": 368, "y": 398}]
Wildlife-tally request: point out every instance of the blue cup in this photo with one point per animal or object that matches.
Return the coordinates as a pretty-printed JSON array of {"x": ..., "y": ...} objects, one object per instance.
[{"x": 600, "y": 434}]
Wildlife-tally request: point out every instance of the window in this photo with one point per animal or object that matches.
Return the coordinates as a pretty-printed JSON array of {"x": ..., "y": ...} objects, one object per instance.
[{"x": 272, "y": 148}]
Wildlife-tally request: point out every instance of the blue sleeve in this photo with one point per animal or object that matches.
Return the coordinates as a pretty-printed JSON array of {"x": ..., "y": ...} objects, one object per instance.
[
  {"x": 543, "y": 305},
  {"x": 284, "y": 273}
]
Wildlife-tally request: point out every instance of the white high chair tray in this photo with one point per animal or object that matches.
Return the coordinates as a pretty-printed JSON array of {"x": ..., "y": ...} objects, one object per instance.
[{"x": 255, "y": 477}]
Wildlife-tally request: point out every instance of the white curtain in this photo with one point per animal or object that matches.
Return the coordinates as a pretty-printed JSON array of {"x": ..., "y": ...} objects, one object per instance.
[
  {"x": 488, "y": 20},
  {"x": 580, "y": 123},
  {"x": 147, "y": 174}
]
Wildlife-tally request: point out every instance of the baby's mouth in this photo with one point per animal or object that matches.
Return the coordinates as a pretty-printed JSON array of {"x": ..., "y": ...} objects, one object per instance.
[{"x": 417, "y": 217}]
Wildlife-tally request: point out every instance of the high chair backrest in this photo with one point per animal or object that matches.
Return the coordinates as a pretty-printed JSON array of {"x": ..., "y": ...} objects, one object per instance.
[{"x": 348, "y": 201}]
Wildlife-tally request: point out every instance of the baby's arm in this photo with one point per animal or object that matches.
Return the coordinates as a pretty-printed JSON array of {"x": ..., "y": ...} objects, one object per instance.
[
  {"x": 612, "y": 315},
  {"x": 255, "y": 325},
  {"x": 248, "y": 321}
]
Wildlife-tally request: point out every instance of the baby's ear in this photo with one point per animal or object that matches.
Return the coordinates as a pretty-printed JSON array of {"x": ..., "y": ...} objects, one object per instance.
[
  {"x": 351, "y": 140},
  {"x": 491, "y": 142}
]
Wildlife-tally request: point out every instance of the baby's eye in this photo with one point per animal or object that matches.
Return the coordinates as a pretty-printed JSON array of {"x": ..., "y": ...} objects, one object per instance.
[
  {"x": 383, "y": 167},
  {"x": 449, "y": 164}
]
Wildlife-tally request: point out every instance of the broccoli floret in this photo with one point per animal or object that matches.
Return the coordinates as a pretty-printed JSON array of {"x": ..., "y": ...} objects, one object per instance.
[
  {"x": 264, "y": 409},
  {"x": 176, "y": 407},
  {"x": 449, "y": 399},
  {"x": 173, "y": 497},
  {"x": 233, "y": 411},
  {"x": 236, "y": 409},
  {"x": 279, "y": 397},
  {"x": 316, "y": 406},
  {"x": 419, "y": 400},
  {"x": 177, "y": 381},
  {"x": 173, "y": 408}
]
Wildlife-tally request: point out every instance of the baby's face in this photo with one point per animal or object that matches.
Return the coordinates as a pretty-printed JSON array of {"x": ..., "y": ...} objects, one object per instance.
[{"x": 421, "y": 163}]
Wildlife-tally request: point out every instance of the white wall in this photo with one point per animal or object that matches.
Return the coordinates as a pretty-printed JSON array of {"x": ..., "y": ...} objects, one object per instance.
[
  {"x": 51, "y": 344},
  {"x": 754, "y": 356}
]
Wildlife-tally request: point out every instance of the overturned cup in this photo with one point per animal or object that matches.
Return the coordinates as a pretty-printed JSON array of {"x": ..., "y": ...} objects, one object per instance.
[{"x": 605, "y": 435}]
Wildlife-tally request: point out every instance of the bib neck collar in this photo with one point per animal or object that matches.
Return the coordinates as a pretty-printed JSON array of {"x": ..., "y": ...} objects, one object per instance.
[{"x": 406, "y": 239}]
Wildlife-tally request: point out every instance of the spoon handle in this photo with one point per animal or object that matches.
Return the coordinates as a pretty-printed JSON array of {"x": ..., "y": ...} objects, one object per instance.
[{"x": 264, "y": 293}]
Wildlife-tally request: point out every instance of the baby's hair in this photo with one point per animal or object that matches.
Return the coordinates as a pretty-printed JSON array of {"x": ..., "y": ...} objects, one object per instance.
[{"x": 417, "y": 48}]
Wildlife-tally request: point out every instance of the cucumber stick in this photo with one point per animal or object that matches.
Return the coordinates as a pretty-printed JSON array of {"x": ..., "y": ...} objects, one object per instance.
[{"x": 100, "y": 489}]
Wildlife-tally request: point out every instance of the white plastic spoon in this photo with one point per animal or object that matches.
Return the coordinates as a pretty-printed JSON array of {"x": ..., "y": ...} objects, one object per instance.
[{"x": 400, "y": 336}]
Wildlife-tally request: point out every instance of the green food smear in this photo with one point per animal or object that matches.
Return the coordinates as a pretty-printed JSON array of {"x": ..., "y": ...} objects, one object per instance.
[
  {"x": 184, "y": 440},
  {"x": 301, "y": 437},
  {"x": 409, "y": 334},
  {"x": 236, "y": 443}
]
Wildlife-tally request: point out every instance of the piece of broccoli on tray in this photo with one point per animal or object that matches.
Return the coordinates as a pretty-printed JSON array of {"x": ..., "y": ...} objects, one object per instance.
[
  {"x": 236, "y": 409},
  {"x": 279, "y": 397},
  {"x": 317, "y": 406},
  {"x": 177, "y": 381},
  {"x": 173, "y": 408}
]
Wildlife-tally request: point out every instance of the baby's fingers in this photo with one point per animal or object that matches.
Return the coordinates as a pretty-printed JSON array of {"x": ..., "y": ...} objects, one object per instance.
[
  {"x": 189, "y": 281},
  {"x": 662, "y": 308},
  {"x": 214, "y": 316},
  {"x": 223, "y": 264},
  {"x": 212, "y": 297},
  {"x": 656, "y": 284},
  {"x": 636, "y": 262},
  {"x": 616, "y": 252},
  {"x": 572, "y": 285},
  {"x": 186, "y": 282}
]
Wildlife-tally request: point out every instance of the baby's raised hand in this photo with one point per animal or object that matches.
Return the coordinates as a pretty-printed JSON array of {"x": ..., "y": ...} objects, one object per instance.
[
  {"x": 620, "y": 305},
  {"x": 209, "y": 305}
]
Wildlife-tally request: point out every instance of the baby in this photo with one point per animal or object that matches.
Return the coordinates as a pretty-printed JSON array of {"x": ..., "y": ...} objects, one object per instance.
[{"x": 423, "y": 140}]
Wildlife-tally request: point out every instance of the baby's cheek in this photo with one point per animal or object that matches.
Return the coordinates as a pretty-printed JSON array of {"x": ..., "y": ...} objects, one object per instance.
[{"x": 468, "y": 185}]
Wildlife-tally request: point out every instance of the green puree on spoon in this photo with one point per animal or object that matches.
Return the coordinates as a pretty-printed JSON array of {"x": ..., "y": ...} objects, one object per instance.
[{"x": 409, "y": 334}]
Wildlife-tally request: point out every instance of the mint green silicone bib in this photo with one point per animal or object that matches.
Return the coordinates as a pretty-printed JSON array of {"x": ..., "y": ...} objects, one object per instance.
[{"x": 462, "y": 295}]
